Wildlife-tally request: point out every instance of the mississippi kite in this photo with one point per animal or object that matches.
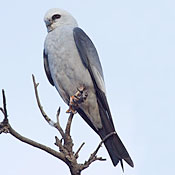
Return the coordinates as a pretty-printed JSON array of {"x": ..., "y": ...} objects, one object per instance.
[{"x": 71, "y": 61}]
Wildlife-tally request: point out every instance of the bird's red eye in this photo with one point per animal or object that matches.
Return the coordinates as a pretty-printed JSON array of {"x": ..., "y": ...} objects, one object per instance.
[{"x": 56, "y": 16}]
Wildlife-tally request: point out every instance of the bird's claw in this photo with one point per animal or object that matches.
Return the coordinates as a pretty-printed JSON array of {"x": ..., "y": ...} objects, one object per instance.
[{"x": 79, "y": 97}]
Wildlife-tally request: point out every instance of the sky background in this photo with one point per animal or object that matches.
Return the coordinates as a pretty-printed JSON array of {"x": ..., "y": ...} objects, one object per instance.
[{"x": 136, "y": 44}]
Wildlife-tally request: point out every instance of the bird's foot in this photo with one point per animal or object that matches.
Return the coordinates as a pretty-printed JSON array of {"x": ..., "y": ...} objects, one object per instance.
[{"x": 79, "y": 97}]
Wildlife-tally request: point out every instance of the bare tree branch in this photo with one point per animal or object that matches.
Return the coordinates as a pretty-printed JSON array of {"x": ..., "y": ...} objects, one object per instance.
[
  {"x": 3, "y": 124},
  {"x": 39, "y": 104},
  {"x": 100, "y": 144},
  {"x": 79, "y": 149},
  {"x": 57, "y": 124},
  {"x": 4, "y": 105},
  {"x": 46, "y": 117},
  {"x": 36, "y": 144},
  {"x": 93, "y": 156},
  {"x": 65, "y": 144},
  {"x": 6, "y": 127}
]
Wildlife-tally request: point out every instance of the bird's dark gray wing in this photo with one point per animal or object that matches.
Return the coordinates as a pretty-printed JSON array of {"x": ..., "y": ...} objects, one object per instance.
[
  {"x": 87, "y": 50},
  {"x": 46, "y": 67},
  {"x": 90, "y": 59}
]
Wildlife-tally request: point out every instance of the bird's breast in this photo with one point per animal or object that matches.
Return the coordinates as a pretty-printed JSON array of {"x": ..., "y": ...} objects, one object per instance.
[{"x": 66, "y": 67}]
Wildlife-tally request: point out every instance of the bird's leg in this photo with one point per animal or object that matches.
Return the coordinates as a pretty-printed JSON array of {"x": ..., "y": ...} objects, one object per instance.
[{"x": 78, "y": 98}]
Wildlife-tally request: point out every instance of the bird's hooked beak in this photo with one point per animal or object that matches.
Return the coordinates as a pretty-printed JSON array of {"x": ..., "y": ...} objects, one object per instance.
[{"x": 48, "y": 23}]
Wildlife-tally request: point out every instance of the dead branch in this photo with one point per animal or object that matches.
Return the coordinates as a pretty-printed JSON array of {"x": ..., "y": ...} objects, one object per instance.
[
  {"x": 5, "y": 127},
  {"x": 79, "y": 149},
  {"x": 46, "y": 117},
  {"x": 65, "y": 144},
  {"x": 93, "y": 156}
]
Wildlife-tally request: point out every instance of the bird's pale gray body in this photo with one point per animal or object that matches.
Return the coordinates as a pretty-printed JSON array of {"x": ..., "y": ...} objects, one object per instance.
[
  {"x": 68, "y": 71},
  {"x": 71, "y": 61}
]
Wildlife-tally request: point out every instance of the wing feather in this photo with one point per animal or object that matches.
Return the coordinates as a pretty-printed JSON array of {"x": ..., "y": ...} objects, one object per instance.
[
  {"x": 46, "y": 68},
  {"x": 90, "y": 59}
]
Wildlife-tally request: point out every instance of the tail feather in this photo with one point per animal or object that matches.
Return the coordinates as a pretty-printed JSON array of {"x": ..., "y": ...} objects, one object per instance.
[
  {"x": 113, "y": 144},
  {"x": 117, "y": 151}
]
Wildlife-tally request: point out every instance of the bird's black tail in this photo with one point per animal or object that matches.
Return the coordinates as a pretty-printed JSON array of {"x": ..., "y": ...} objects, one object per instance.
[
  {"x": 116, "y": 149},
  {"x": 113, "y": 144}
]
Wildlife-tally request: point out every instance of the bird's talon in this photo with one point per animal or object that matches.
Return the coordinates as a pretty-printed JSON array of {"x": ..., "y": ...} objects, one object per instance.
[
  {"x": 70, "y": 110},
  {"x": 79, "y": 97}
]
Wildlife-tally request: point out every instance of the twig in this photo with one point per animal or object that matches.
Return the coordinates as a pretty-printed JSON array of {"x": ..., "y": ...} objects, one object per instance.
[
  {"x": 100, "y": 144},
  {"x": 93, "y": 156},
  {"x": 76, "y": 154},
  {"x": 4, "y": 123},
  {"x": 4, "y": 105},
  {"x": 57, "y": 124},
  {"x": 46, "y": 117},
  {"x": 39, "y": 104},
  {"x": 1, "y": 109},
  {"x": 59, "y": 144}
]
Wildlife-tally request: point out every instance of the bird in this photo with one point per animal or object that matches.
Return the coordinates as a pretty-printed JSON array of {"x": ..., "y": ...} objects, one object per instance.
[{"x": 72, "y": 64}]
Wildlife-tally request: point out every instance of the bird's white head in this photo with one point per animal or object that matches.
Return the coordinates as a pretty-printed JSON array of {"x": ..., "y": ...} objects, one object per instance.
[{"x": 57, "y": 17}]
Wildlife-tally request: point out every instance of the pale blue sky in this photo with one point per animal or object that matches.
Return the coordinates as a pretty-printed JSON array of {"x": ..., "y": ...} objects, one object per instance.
[{"x": 136, "y": 43}]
